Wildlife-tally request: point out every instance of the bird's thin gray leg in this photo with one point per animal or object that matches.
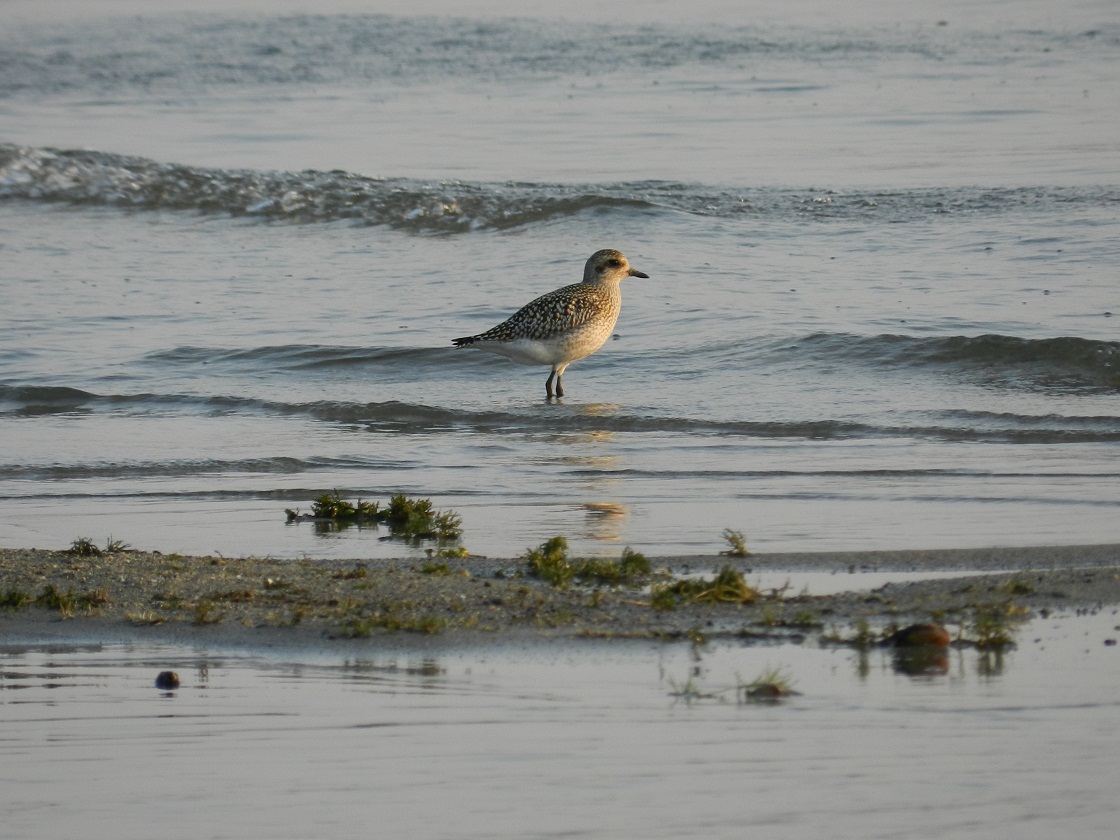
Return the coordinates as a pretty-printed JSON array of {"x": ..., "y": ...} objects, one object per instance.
[
  {"x": 548, "y": 384},
  {"x": 559, "y": 387}
]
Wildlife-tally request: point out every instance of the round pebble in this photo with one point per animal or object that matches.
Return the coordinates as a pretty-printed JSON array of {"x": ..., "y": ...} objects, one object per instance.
[
  {"x": 167, "y": 679},
  {"x": 920, "y": 635}
]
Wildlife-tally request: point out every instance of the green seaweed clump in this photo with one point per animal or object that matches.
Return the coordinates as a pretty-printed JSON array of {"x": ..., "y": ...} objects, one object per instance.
[
  {"x": 85, "y": 547},
  {"x": 737, "y": 543},
  {"x": 333, "y": 506},
  {"x": 53, "y": 598},
  {"x": 630, "y": 567},
  {"x": 407, "y": 518},
  {"x": 991, "y": 627},
  {"x": 727, "y": 587},
  {"x": 14, "y": 599},
  {"x": 416, "y": 519},
  {"x": 550, "y": 563},
  {"x": 436, "y": 569}
]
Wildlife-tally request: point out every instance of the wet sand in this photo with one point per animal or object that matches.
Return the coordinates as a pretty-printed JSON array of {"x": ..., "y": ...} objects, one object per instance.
[{"x": 266, "y": 603}]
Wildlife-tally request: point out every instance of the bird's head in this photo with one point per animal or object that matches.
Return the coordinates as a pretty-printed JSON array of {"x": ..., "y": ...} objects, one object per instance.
[{"x": 609, "y": 266}]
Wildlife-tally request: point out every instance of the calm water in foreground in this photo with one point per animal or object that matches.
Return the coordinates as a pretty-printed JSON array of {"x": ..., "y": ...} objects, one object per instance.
[{"x": 579, "y": 741}]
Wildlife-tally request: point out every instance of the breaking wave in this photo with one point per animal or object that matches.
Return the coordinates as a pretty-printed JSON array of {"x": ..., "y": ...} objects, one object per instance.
[{"x": 78, "y": 177}]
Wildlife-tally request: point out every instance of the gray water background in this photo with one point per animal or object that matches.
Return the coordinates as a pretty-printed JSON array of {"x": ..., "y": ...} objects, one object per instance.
[
  {"x": 236, "y": 240},
  {"x": 583, "y": 741}
]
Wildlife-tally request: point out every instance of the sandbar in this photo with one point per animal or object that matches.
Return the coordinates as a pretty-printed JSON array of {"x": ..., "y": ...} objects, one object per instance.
[{"x": 254, "y": 602}]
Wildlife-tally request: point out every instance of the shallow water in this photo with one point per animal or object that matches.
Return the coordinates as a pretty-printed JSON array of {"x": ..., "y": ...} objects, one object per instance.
[
  {"x": 882, "y": 249},
  {"x": 564, "y": 741}
]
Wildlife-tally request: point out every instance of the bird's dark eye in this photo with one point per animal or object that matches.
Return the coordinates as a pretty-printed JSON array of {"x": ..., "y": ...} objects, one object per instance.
[{"x": 616, "y": 263}]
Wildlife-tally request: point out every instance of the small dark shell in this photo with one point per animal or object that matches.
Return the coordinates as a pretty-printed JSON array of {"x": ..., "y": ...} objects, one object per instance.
[{"x": 167, "y": 679}]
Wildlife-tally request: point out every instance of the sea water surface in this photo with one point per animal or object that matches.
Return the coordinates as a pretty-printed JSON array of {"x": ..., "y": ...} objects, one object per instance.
[
  {"x": 619, "y": 740},
  {"x": 236, "y": 240}
]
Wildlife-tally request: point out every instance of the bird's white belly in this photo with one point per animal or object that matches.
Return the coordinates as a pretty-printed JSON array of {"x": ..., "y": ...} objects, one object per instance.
[{"x": 550, "y": 351}]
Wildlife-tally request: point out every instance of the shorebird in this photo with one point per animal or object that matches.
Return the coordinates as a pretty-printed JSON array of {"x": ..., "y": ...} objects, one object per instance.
[{"x": 565, "y": 325}]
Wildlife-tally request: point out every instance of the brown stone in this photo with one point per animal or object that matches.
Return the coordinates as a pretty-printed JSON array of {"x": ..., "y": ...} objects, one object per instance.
[{"x": 919, "y": 635}]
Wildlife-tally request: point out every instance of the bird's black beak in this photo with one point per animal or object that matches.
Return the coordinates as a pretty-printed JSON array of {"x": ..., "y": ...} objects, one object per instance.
[{"x": 635, "y": 273}]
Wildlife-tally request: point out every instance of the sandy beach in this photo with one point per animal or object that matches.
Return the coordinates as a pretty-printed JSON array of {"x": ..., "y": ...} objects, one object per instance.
[{"x": 263, "y": 603}]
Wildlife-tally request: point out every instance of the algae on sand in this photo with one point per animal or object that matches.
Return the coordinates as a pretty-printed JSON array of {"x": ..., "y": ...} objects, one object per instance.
[
  {"x": 551, "y": 563},
  {"x": 727, "y": 587}
]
